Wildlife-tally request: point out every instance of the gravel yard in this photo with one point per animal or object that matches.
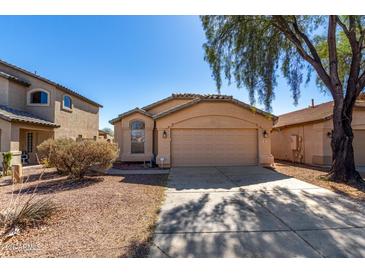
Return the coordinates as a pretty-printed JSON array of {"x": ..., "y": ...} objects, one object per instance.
[
  {"x": 102, "y": 216},
  {"x": 311, "y": 175}
]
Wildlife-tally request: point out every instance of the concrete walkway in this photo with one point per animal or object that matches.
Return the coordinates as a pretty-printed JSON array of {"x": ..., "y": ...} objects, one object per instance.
[
  {"x": 254, "y": 212},
  {"x": 116, "y": 171}
]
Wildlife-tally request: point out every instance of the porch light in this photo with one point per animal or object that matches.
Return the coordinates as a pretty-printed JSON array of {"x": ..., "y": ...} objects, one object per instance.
[
  {"x": 329, "y": 134},
  {"x": 164, "y": 134},
  {"x": 265, "y": 134}
]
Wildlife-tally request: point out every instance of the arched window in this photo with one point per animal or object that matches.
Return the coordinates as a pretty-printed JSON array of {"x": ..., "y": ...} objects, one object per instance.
[
  {"x": 137, "y": 136},
  {"x": 38, "y": 97},
  {"x": 67, "y": 102}
]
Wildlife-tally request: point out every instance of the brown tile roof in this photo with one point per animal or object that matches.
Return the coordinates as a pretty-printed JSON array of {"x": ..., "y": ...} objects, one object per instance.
[
  {"x": 11, "y": 114},
  {"x": 121, "y": 116},
  {"x": 311, "y": 114},
  {"x": 15, "y": 79},
  {"x": 186, "y": 96},
  {"x": 61, "y": 87},
  {"x": 196, "y": 98},
  {"x": 203, "y": 96},
  {"x": 219, "y": 98}
]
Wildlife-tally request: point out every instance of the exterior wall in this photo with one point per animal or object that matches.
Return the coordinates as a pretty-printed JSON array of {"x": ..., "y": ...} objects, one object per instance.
[
  {"x": 213, "y": 115},
  {"x": 17, "y": 96},
  {"x": 316, "y": 143},
  {"x": 122, "y": 137},
  {"x": 39, "y": 136},
  {"x": 82, "y": 120},
  {"x": 167, "y": 105},
  {"x": 310, "y": 143},
  {"x": 4, "y": 91}
]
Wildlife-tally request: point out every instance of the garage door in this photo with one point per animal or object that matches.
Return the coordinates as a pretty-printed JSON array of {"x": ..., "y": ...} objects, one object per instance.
[
  {"x": 359, "y": 147},
  {"x": 214, "y": 147}
]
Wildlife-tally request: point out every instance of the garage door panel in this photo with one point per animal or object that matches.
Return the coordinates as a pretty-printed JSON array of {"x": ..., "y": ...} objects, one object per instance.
[
  {"x": 207, "y": 147},
  {"x": 359, "y": 147}
]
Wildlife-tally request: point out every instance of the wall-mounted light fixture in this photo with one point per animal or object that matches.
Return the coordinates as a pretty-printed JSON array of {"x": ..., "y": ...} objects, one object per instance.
[
  {"x": 329, "y": 134},
  {"x": 164, "y": 134},
  {"x": 265, "y": 134}
]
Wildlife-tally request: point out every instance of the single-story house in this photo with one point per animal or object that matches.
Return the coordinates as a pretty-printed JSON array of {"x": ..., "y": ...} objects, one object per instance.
[
  {"x": 103, "y": 135},
  {"x": 195, "y": 130},
  {"x": 304, "y": 136}
]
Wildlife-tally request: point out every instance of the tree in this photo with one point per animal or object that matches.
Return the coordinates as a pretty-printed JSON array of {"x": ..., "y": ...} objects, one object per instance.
[{"x": 251, "y": 50}]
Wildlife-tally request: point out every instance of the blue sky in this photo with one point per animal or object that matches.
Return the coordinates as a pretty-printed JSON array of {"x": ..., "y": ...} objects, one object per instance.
[{"x": 124, "y": 61}]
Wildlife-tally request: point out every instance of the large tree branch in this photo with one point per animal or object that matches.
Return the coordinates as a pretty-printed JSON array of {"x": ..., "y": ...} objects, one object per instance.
[
  {"x": 281, "y": 23},
  {"x": 332, "y": 56},
  {"x": 309, "y": 44},
  {"x": 361, "y": 82}
]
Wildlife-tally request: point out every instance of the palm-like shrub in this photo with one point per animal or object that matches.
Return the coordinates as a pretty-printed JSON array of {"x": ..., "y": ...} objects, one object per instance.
[
  {"x": 7, "y": 156},
  {"x": 21, "y": 213},
  {"x": 76, "y": 158}
]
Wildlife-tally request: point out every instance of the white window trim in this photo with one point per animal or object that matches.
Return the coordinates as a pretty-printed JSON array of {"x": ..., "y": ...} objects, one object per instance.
[
  {"x": 63, "y": 103},
  {"x": 38, "y": 105}
]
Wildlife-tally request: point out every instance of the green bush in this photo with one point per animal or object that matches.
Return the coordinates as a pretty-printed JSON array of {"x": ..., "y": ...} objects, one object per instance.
[
  {"x": 7, "y": 156},
  {"x": 75, "y": 158}
]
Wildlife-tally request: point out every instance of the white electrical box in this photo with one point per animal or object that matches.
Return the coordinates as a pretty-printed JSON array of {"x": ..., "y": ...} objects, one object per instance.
[{"x": 294, "y": 142}]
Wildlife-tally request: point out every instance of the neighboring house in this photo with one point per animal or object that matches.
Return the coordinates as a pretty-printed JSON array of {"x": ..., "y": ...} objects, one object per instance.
[
  {"x": 304, "y": 136},
  {"x": 103, "y": 135},
  {"x": 195, "y": 130},
  {"x": 33, "y": 109}
]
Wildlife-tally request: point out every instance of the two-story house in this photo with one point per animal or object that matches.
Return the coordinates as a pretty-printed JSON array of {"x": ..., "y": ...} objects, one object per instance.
[{"x": 34, "y": 109}]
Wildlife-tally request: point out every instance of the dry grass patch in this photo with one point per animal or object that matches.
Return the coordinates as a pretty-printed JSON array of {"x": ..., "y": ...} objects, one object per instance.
[
  {"x": 313, "y": 175},
  {"x": 103, "y": 216}
]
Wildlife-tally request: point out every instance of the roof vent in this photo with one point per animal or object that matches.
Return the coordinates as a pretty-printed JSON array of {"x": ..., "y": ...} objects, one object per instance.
[{"x": 312, "y": 103}]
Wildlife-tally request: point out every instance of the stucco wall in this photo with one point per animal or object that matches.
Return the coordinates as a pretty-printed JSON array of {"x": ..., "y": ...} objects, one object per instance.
[
  {"x": 4, "y": 91},
  {"x": 122, "y": 134},
  {"x": 214, "y": 115},
  {"x": 83, "y": 120},
  {"x": 167, "y": 105},
  {"x": 317, "y": 144},
  {"x": 310, "y": 140}
]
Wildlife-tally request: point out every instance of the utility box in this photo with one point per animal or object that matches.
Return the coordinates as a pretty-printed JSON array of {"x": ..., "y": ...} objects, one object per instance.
[{"x": 294, "y": 142}]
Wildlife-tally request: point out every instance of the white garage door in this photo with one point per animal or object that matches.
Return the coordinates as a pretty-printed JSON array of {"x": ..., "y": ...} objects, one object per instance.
[
  {"x": 359, "y": 147},
  {"x": 214, "y": 147}
]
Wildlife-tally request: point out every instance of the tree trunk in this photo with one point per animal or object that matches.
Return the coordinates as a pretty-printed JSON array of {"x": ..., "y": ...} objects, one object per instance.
[{"x": 343, "y": 163}]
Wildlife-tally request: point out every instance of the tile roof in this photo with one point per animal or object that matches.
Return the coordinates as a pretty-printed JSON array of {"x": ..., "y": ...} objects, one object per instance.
[
  {"x": 219, "y": 98},
  {"x": 15, "y": 79},
  {"x": 11, "y": 114},
  {"x": 61, "y": 87},
  {"x": 203, "y": 96},
  {"x": 121, "y": 116},
  {"x": 186, "y": 96},
  {"x": 311, "y": 114},
  {"x": 196, "y": 98}
]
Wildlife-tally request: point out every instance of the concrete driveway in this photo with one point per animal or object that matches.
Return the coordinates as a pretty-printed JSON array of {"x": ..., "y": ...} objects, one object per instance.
[{"x": 254, "y": 212}]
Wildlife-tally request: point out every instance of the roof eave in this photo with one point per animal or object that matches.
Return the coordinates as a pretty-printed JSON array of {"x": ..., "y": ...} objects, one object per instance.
[
  {"x": 125, "y": 114},
  {"x": 71, "y": 92},
  {"x": 326, "y": 118}
]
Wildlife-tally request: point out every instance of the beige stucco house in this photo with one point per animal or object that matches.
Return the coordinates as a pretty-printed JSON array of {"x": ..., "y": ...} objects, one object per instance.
[
  {"x": 33, "y": 109},
  {"x": 195, "y": 130},
  {"x": 304, "y": 136}
]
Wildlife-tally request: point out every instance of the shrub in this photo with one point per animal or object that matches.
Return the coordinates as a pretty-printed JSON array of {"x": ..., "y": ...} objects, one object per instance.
[
  {"x": 7, "y": 156},
  {"x": 76, "y": 158},
  {"x": 22, "y": 214}
]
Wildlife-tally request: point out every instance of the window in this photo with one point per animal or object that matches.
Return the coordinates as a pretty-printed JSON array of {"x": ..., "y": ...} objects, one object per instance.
[
  {"x": 137, "y": 137},
  {"x": 38, "y": 97},
  {"x": 30, "y": 142},
  {"x": 67, "y": 102}
]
